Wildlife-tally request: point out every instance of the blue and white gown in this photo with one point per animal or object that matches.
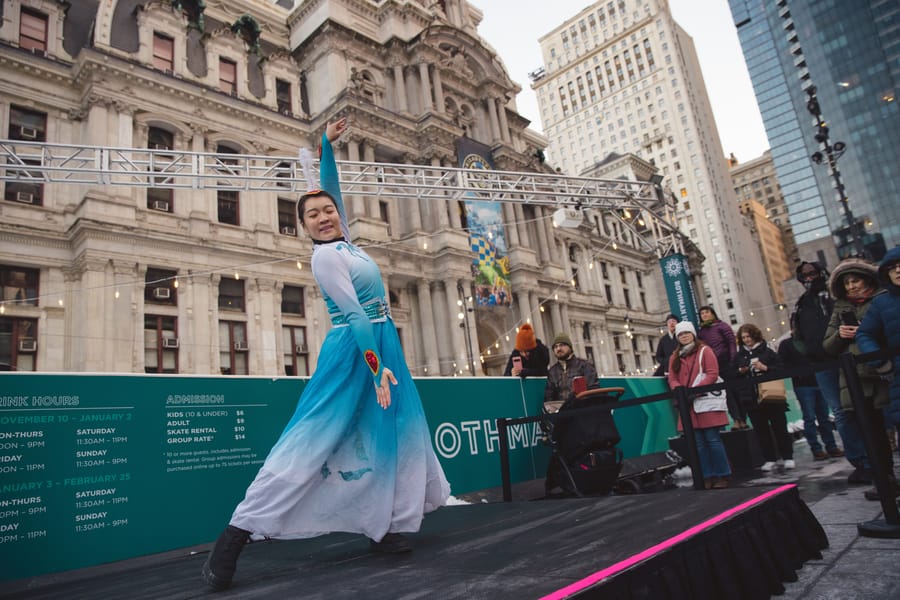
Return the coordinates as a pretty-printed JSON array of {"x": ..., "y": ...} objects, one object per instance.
[{"x": 343, "y": 463}]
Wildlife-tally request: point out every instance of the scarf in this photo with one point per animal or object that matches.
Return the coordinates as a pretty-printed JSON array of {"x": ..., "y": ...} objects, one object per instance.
[{"x": 687, "y": 349}]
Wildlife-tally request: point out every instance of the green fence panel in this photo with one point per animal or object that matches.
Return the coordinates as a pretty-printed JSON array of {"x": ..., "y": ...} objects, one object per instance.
[{"x": 99, "y": 468}]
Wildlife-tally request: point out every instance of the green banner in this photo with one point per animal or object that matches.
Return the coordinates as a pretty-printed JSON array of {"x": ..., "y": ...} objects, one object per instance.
[
  {"x": 679, "y": 288},
  {"x": 99, "y": 468}
]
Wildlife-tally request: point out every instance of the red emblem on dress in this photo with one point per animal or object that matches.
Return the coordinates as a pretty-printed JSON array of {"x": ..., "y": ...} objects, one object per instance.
[{"x": 372, "y": 361}]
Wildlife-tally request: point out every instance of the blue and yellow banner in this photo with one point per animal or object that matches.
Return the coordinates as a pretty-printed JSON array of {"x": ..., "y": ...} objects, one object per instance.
[{"x": 490, "y": 264}]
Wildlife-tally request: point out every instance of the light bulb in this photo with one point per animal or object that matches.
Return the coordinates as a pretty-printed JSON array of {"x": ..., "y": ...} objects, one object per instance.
[
  {"x": 2, "y": 308},
  {"x": 60, "y": 302},
  {"x": 299, "y": 265},
  {"x": 237, "y": 276},
  {"x": 175, "y": 284},
  {"x": 424, "y": 245},
  {"x": 116, "y": 294},
  {"x": 615, "y": 246},
  {"x": 542, "y": 308}
]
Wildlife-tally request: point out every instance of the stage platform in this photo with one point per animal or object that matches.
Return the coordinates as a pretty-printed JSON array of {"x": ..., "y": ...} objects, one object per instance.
[{"x": 734, "y": 543}]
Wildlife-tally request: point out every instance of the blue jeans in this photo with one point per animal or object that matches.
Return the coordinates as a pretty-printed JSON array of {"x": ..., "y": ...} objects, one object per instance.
[
  {"x": 713, "y": 460},
  {"x": 814, "y": 408},
  {"x": 829, "y": 386}
]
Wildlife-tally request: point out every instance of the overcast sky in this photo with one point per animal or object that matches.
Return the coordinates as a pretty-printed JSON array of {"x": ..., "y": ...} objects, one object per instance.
[{"x": 513, "y": 27}]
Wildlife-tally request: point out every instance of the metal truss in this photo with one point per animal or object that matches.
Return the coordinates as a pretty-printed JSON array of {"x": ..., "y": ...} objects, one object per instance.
[{"x": 46, "y": 163}]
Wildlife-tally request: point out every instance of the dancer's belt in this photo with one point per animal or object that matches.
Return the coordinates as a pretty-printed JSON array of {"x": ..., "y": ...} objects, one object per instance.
[{"x": 376, "y": 310}]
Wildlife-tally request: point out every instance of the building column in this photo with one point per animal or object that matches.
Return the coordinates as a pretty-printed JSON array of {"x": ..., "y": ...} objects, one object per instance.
[
  {"x": 425, "y": 88},
  {"x": 400, "y": 89},
  {"x": 372, "y": 209},
  {"x": 427, "y": 330},
  {"x": 443, "y": 221},
  {"x": 438, "y": 90},
  {"x": 556, "y": 320},
  {"x": 522, "y": 227},
  {"x": 492, "y": 115},
  {"x": 441, "y": 310},
  {"x": 536, "y": 321},
  {"x": 543, "y": 246},
  {"x": 510, "y": 228},
  {"x": 356, "y": 207},
  {"x": 504, "y": 124},
  {"x": 410, "y": 207}
]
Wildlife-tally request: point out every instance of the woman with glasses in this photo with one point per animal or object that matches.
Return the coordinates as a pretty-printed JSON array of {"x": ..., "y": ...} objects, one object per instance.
[{"x": 356, "y": 456}]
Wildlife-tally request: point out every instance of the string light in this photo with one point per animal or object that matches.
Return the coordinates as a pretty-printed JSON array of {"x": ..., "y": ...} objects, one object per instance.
[
  {"x": 175, "y": 283},
  {"x": 237, "y": 276},
  {"x": 299, "y": 265},
  {"x": 116, "y": 294}
]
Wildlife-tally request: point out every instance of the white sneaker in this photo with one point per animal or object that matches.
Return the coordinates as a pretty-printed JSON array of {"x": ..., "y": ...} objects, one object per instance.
[
  {"x": 767, "y": 466},
  {"x": 789, "y": 463}
]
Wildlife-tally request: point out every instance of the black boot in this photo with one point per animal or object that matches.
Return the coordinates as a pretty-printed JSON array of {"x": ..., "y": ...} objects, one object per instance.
[
  {"x": 391, "y": 543},
  {"x": 222, "y": 561}
]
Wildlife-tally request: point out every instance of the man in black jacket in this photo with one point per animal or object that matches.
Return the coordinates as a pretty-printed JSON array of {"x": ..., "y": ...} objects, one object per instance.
[
  {"x": 812, "y": 313},
  {"x": 561, "y": 376},
  {"x": 666, "y": 346}
]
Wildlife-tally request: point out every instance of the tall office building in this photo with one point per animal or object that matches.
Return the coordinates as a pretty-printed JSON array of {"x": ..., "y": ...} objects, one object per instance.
[
  {"x": 624, "y": 77},
  {"x": 204, "y": 278},
  {"x": 762, "y": 203},
  {"x": 849, "y": 52}
]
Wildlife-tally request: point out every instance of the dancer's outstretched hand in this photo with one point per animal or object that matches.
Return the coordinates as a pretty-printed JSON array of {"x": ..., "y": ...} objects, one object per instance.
[
  {"x": 335, "y": 129},
  {"x": 383, "y": 391}
]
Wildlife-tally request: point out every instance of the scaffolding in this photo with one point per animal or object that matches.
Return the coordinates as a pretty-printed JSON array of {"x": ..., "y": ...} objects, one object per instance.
[{"x": 635, "y": 204}]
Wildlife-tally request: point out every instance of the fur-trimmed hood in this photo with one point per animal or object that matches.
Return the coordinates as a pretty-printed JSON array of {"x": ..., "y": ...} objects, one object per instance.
[{"x": 858, "y": 266}]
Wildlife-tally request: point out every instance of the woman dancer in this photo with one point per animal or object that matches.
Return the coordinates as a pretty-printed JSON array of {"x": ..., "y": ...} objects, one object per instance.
[{"x": 356, "y": 456}]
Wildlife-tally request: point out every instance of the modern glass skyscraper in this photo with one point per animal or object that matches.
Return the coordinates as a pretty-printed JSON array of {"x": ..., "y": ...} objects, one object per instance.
[{"x": 851, "y": 51}]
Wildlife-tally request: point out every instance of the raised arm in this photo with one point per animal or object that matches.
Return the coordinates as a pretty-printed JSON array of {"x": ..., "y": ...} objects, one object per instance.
[{"x": 328, "y": 173}]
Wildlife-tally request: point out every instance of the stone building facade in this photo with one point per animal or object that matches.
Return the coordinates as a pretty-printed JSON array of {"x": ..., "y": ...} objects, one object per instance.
[{"x": 199, "y": 281}]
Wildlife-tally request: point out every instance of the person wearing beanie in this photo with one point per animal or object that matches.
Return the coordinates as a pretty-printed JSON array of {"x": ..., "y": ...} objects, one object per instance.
[
  {"x": 561, "y": 376},
  {"x": 854, "y": 286},
  {"x": 694, "y": 364},
  {"x": 666, "y": 346},
  {"x": 811, "y": 315},
  {"x": 534, "y": 354}
]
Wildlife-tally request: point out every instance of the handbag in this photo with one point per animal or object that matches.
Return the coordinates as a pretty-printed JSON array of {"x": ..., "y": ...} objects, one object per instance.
[
  {"x": 772, "y": 391},
  {"x": 710, "y": 401}
]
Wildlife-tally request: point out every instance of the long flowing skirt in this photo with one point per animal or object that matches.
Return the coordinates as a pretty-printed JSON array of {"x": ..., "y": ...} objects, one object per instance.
[{"x": 343, "y": 463}]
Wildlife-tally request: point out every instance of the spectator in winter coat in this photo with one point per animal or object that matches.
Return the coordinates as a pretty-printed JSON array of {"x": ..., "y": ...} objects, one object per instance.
[
  {"x": 854, "y": 285},
  {"x": 880, "y": 329},
  {"x": 561, "y": 375},
  {"x": 755, "y": 358},
  {"x": 719, "y": 336},
  {"x": 666, "y": 346},
  {"x": 534, "y": 354},
  {"x": 685, "y": 371},
  {"x": 812, "y": 403},
  {"x": 812, "y": 314}
]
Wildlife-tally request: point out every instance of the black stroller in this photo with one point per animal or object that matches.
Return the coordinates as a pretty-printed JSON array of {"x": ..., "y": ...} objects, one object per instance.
[{"x": 584, "y": 459}]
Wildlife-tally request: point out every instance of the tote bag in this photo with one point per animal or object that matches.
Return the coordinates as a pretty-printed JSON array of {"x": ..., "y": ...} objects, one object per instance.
[
  {"x": 772, "y": 391},
  {"x": 710, "y": 401}
]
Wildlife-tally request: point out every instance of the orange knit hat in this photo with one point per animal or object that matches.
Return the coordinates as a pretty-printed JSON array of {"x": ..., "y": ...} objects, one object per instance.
[{"x": 525, "y": 339}]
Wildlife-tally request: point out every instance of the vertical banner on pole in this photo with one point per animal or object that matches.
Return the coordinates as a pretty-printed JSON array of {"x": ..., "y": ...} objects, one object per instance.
[
  {"x": 679, "y": 288},
  {"x": 484, "y": 220}
]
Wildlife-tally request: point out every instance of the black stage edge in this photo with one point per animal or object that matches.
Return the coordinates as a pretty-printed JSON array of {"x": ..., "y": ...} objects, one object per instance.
[{"x": 734, "y": 543}]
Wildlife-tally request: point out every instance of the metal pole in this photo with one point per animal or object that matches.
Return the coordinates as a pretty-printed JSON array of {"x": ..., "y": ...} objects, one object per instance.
[
  {"x": 503, "y": 441},
  {"x": 889, "y": 527},
  {"x": 464, "y": 308},
  {"x": 684, "y": 409}
]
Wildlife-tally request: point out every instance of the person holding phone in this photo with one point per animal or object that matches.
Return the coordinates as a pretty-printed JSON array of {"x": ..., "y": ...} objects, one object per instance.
[
  {"x": 755, "y": 358},
  {"x": 530, "y": 358},
  {"x": 854, "y": 284}
]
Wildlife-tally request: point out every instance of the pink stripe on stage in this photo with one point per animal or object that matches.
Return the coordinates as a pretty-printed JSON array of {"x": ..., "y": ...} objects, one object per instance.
[{"x": 669, "y": 543}]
